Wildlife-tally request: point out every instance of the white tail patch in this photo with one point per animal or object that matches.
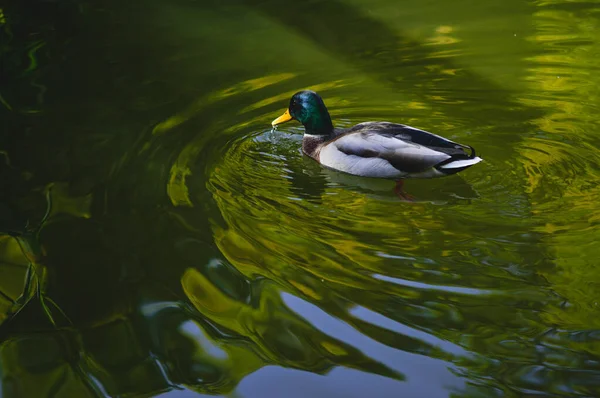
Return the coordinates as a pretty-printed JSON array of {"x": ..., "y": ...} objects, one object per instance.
[{"x": 461, "y": 163}]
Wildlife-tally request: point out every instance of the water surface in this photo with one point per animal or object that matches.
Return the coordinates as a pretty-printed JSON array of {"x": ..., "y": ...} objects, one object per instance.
[{"x": 182, "y": 246}]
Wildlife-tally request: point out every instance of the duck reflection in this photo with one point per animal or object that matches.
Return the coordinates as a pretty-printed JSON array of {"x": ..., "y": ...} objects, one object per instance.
[{"x": 451, "y": 190}]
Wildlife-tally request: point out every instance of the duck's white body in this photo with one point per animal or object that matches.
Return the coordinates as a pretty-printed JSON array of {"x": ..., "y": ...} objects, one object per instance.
[{"x": 388, "y": 150}]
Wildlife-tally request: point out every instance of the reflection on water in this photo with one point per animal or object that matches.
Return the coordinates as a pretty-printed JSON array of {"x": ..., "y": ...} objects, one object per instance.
[{"x": 189, "y": 249}]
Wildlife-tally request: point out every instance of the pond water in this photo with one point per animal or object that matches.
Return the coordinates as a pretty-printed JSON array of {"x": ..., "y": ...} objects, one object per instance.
[{"x": 182, "y": 248}]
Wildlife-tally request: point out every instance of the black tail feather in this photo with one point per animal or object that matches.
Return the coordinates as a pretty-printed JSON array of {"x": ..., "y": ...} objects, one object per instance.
[{"x": 473, "y": 154}]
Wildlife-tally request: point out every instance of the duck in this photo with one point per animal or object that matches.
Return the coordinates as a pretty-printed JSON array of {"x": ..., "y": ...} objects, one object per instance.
[{"x": 374, "y": 149}]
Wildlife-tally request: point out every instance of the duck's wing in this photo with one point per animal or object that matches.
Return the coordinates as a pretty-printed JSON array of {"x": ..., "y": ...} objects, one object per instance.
[
  {"x": 406, "y": 149},
  {"x": 414, "y": 135}
]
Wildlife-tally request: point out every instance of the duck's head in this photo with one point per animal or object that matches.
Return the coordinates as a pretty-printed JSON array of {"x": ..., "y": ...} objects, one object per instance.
[{"x": 308, "y": 108}]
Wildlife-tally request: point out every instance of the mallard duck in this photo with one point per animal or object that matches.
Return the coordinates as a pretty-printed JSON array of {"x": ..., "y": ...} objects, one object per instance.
[{"x": 374, "y": 149}]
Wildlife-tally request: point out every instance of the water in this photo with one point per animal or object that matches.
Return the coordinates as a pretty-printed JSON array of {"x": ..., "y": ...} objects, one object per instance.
[{"x": 189, "y": 248}]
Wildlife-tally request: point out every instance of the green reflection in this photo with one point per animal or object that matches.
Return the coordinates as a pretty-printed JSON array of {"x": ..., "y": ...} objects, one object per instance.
[{"x": 192, "y": 250}]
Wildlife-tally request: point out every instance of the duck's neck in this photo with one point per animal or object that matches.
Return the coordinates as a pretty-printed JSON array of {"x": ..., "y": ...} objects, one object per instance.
[
  {"x": 317, "y": 121},
  {"x": 311, "y": 144},
  {"x": 318, "y": 129}
]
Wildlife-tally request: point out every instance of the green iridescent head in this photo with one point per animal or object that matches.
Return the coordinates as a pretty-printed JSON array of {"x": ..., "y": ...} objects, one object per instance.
[{"x": 308, "y": 108}]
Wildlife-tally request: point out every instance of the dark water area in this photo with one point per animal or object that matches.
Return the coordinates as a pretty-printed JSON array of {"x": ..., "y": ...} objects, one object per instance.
[{"x": 157, "y": 238}]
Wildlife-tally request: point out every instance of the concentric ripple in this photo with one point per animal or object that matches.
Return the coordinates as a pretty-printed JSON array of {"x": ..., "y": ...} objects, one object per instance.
[{"x": 441, "y": 277}]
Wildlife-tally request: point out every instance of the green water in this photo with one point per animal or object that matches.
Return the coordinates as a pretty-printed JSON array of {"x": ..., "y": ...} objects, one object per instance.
[{"x": 189, "y": 250}]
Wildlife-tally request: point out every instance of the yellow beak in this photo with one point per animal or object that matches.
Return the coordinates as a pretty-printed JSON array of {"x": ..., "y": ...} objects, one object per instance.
[{"x": 286, "y": 117}]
